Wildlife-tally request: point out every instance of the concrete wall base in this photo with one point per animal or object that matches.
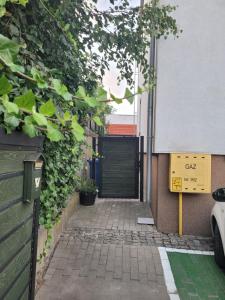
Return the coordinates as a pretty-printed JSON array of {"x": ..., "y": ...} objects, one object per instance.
[
  {"x": 55, "y": 233},
  {"x": 196, "y": 207}
]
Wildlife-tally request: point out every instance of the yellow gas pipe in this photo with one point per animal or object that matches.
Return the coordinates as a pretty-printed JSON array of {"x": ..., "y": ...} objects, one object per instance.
[{"x": 180, "y": 214}]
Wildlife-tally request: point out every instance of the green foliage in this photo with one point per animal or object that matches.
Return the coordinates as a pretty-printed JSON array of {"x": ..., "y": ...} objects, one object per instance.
[
  {"x": 87, "y": 186},
  {"x": 8, "y": 53},
  {"x": 3, "y": 10},
  {"x": 61, "y": 89},
  {"x": 26, "y": 101},
  {"x": 41, "y": 116},
  {"x": 47, "y": 245},
  {"x": 48, "y": 108},
  {"x": 63, "y": 162},
  {"x": 69, "y": 75},
  {"x": 77, "y": 130},
  {"x": 97, "y": 120},
  {"x": 53, "y": 133},
  {"x": 121, "y": 33},
  {"x": 129, "y": 96},
  {"x": 9, "y": 106},
  {"x": 5, "y": 86},
  {"x": 50, "y": 75}
]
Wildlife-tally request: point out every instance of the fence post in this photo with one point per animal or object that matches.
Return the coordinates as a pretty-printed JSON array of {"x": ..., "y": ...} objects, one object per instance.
[
  {"x": 93, "y": 157},
  {"x": 141, "y": 168}
]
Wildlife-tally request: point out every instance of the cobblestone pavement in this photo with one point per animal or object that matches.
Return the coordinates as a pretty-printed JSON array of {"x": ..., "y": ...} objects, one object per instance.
[{"x": 105, "y": 255}]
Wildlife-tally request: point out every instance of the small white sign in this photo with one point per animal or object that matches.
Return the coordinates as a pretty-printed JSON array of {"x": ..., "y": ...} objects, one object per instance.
[{"x": 37, "y": 182}]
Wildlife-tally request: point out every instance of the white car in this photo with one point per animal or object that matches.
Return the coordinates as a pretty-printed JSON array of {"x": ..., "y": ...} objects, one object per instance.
[{"x": 218, "y": 226}]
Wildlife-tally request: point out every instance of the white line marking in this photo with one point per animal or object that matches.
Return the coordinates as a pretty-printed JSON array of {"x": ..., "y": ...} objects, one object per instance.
[
  {"x": 189, "y": 251},
  {"x": 174, "y": 297},
  {"x": 169, "y": 279}
]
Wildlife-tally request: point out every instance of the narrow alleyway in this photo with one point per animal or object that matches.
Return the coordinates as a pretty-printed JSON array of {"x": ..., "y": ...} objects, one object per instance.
[{"x": 105, "y": 255}]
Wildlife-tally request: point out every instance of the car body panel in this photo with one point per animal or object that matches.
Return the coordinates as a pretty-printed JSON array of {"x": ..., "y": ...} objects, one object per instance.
[{"x": 218, "y": 212}]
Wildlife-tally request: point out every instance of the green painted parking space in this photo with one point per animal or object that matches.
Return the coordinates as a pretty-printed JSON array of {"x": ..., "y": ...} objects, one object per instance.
[{"x": 197, "y": 277}]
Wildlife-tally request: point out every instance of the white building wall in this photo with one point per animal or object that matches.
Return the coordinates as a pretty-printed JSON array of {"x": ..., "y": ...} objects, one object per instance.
[
  {"x": 121, "y": 119},
  {"x": 190, "y": 95},
  {"x": 142, "y": 113}
]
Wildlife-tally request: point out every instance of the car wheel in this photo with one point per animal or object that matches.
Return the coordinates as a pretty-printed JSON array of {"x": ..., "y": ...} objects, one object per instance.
[{"x": 218, "y": 248}]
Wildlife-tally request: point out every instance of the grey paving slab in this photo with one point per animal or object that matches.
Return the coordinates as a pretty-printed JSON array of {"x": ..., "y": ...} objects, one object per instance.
[{"x": 104, "y": 254}]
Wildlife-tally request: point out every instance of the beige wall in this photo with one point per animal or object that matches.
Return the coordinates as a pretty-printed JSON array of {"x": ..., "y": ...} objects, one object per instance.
[
  {"x": 196, "y": 207},
  {"x": 55, "y": 232}
]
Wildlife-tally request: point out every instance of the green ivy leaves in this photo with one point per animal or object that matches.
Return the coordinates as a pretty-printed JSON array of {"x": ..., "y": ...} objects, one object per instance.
[
  {"x": 101, "y": 94},
  {"x": 16, "y": 113},
  {"x": 3, "y": 3},
  {"x": 48, "y": 109},
  {"x": 2, "y": 8},
  {"x": 40, "y": 119},
  {"x": 8, "y": 53},
  {"x": 53, "y": 133},
  {"x": 45, "y": 118},
  {"x": 97, "y": 120},
  {"x": 8, "y": 47},
  {"x": 10, "y": 113},
  {"x": 82, "y": 95},
  {"x": 61, "y": 89},
  {"x": 39, "y": 78},
  {"x": 5, "y": 86},
  {"x": 77, "y": 130},
  {"x": 63, "y": 162},
  {"x": 2, "y": 11},
  {"x": 28, "y": 127},
  {"x": 26, "y": 101},
  {"x": 24, "y": 110},
  {"x": 115, "y": 99},
  {"x": 93, "y": 101},
  {"x": 9, "y": 106},
  {"x": 22, "y": 2},
  {"x": 11, "y": 121},
  {"x": 129, "y": 96},
  {"x": 36, "y": 118}
]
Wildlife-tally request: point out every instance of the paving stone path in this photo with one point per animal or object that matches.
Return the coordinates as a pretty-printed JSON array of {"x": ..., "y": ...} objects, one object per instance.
[{"x": 105, "y": 255}]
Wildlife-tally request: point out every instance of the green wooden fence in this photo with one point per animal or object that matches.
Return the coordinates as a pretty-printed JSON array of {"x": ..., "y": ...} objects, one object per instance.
[{"x": 18, "y": 220}]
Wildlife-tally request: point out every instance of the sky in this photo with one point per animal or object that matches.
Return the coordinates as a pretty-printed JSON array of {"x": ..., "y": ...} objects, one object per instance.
[{"x": 110, "y": 81}]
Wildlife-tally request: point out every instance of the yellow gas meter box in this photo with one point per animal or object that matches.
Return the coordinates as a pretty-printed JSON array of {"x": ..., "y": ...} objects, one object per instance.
[{"x": 190, "y": 173}]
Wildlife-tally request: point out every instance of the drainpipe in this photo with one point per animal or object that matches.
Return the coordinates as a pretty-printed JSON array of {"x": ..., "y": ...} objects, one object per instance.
[{"x": 150, "y": 127}]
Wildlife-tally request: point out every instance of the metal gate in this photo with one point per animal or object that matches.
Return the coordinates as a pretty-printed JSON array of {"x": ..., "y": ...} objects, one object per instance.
[
  {"x": 120, "y": 163},
  {"x": 18, "y": 220}
]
